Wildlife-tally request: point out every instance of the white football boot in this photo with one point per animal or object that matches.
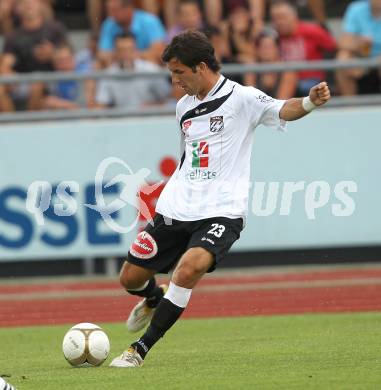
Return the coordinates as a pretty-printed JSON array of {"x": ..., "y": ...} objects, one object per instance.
[
  {"x": 141, "y": 314},
  {"x": 128, "y": 359}
]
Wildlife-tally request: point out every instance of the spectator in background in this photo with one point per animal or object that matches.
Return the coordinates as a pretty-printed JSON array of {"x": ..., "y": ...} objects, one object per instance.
[
  {"x": 86, "y": 61},
  {"x": 188, "y": 16},
  {"x": 239, "y": 33},
  {"x": 132, "y": 92},
  {"x": 166, "y": 8},
  {"x": 95, "y": 14},
  {"x": 86, "y": 58},
  {"x": 9, "y": 14},
  {"x": 279, "y": 85},
  {"x": 317, "y": 8},
  {"x": 220, "y": 44},
  {"x": 6, "y": 102},
  {"x": 300, "y": 41},
  {"x": 216, "y": 10},
  {"x": 222, "y": 51},
  {"x": 147, "y": 29},
  {"x": 8, "y": 17},
  {"x": 64, "y": 94},
  {"x": 361, "y": 38},
  {"x": 29, "y": 49}
]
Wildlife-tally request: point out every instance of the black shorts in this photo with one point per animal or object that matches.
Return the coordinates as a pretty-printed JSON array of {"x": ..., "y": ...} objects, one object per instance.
[{"x": 159, "y": 247}]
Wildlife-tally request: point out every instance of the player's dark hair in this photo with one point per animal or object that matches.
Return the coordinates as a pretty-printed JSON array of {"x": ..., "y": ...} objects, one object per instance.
[{"x": 191, "y": 48}]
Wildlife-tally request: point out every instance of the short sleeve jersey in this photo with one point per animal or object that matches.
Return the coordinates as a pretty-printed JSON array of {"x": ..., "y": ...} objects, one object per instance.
[{"x": 213, "y": 177}]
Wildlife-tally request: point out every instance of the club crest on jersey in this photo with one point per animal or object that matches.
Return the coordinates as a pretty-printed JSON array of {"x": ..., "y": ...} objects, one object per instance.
[
  {"x": 144, "y": 247},
  {"x": 216, "y": 124}
]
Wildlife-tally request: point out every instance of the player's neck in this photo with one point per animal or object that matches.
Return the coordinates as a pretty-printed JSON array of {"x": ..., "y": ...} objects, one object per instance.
[{"x": 210, "y": 82}]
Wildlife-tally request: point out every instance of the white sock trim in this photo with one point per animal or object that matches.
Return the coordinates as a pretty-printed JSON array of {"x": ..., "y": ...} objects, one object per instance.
[
  {"x": 179, "y": 296},
  {"x": 140, "y": 288}
]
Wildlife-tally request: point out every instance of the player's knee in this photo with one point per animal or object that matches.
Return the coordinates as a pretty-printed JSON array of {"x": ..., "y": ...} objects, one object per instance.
[
  {"x": 195, "y": 265},
  {"x": 128, "y": 279},
  {"x": 184, "y": 274},
  {"x": 124, "y": 279}
]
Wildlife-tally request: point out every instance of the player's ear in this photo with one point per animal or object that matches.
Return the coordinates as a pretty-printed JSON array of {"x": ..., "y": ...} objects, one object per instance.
[{"x": 202, "y": 67}]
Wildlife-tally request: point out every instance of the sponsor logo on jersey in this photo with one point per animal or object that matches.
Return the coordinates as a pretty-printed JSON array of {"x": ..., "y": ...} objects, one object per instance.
[
  {"x": 265, "y": 99},
  {"x": 200, "y": 174},
  {"x": 186, "y": 126},
  {"x": 216, "y": 124},
  {"x": 200, "y": 160},
  {"x": 200, "y": 154},
  {"x": 144, "y": 246}
]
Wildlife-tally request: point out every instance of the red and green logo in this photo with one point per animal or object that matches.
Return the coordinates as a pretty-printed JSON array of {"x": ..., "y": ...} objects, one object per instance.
[{"x": 200, "y": 154}]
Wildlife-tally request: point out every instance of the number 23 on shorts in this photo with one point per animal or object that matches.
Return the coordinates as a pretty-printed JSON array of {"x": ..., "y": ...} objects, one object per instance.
[{"x": 217, "y": 230}]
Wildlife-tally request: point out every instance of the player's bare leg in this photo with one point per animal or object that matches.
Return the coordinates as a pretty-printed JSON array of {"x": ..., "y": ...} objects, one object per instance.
[
  {"x": 190, "y": 269},
  {"x": 141, "y": 282}
]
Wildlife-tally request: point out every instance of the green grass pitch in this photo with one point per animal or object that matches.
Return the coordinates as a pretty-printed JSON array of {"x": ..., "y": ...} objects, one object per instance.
[{"x": 335, "y": 351}]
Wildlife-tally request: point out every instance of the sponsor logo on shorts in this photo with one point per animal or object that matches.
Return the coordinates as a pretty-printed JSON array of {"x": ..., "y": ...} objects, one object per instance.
[
  {"x": 208, "y": 240},
  {"x": 144, "y": 246}
]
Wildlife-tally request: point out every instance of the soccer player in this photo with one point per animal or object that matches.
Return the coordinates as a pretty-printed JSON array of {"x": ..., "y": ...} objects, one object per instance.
[{"x": 201, "y": 210}]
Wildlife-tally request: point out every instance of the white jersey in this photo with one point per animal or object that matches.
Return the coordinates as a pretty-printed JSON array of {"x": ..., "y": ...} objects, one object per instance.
[{"x": 213, "y": 177}]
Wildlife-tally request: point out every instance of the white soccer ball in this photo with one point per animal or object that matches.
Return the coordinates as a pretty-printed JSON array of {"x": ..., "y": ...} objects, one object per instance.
[
  {"x": 5, "y": 386},
  {"x": 85, "y": 345}
]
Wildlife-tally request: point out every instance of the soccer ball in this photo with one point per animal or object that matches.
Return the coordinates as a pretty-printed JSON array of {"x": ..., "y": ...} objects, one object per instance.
[
  {"x": 5, "y": 386},
  {"x": 85, "y": 345}
]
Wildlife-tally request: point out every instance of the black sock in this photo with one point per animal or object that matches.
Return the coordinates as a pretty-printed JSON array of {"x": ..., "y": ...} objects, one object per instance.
[
  {"x": 153, "y": 293},
  {"x": 166, "y": 314}
]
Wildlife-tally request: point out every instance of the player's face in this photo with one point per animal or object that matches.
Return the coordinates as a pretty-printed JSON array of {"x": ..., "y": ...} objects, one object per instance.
[{"x": 183, "y": 76}]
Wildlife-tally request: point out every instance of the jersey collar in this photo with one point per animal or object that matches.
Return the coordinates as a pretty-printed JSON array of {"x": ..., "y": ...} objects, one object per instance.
[
  {"x": 216, "y": 86},
  {"x": 214, "y": 89}
]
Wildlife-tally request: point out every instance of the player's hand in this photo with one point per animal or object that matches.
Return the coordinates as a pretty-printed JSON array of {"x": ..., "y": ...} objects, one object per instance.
[{"x": 320, "y": 94}]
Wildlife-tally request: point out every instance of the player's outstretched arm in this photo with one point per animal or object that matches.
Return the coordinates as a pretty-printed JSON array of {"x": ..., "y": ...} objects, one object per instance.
[{"x": 299, "y": 107}]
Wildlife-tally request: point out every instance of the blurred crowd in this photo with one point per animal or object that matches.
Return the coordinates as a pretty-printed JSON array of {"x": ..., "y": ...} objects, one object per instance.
[{"x": 131, "y": 34}]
